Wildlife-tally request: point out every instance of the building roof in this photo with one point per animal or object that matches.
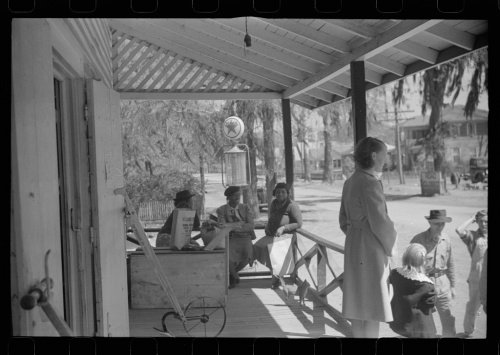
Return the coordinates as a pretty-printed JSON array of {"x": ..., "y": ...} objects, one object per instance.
[
  {"x": 304, "y": 60},
  {"x": 449, "y": 114}
]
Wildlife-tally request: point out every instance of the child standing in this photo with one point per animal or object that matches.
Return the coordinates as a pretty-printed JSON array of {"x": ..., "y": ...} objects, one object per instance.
[{"x": 414, "y": 296}]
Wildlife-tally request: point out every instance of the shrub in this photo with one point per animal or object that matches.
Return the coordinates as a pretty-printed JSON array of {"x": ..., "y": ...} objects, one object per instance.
[{"x": 161, "y": 187}]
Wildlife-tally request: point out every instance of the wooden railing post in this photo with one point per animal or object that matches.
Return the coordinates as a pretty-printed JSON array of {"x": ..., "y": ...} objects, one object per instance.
[{"x": 321, "y": 269}]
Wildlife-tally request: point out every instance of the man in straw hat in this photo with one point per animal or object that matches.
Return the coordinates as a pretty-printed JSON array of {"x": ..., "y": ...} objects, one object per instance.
[
  {"x": 477, "y": 244},
  {"x": 183, "y": 199},
  {"x": 439, "y": 266}
]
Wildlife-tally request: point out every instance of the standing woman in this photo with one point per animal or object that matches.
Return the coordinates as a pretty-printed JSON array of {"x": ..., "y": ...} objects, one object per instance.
[
  {"x": 370, "y": 240},
  {"x": 273, "y": 250}
]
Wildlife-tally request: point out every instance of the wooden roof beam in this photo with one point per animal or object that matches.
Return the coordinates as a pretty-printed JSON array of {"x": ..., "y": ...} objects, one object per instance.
[
  {"x": 355, "y": 27},
  {"x": 181, "y": 95},
  {"x": 304, "y": 31},
  {"x": 459, "y": 38},
  {"x": 397, "y": 34},
  {"x": 418, "y": 51},
  {"x": 235, "y": 36},
  {"x": 228, "y": 49},
  {"x": 257, "y": 30},
  {"x": 387, "y": 64}
]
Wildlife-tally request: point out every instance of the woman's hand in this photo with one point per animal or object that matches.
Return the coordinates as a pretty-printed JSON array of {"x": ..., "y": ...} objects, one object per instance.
[{"x": 280, "y": 231}]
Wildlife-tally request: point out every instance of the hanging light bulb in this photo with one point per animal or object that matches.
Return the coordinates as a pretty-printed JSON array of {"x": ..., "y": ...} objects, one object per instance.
[{"x": 247, "y": 39}]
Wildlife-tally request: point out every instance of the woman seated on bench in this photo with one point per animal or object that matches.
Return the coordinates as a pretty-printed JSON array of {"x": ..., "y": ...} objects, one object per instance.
[
  {"x": 273, "y": 250},
  {"x": 183, "y": 199},
  {"x": 239, "y": 218}
]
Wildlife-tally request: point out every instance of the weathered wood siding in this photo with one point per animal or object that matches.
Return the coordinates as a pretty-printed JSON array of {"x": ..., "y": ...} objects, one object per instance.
[
  {"x": 107, "y": 210},
  {"x": 94, "y": 38},
  {"x": 193, "y": 274},
  {"x": 34, "y": 195}
]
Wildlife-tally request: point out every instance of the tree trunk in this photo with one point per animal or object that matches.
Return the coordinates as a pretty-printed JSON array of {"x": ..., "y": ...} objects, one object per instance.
[
  {"x": 267, "y": 117},
  {"x": 305, "y": 162},
  {"x": 202, "y": 184},
  {"x": 328, "y": 161}
]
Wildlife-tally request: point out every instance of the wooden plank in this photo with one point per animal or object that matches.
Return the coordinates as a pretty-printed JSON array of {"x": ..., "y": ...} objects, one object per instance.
[
  {"x": 203, "y": 79},
  {"x": 193, "y": 77},
  {"x": 321, "y": 38},
  {"x": 145, "y": 67},
  {"x": 172, "y": 76},
  {"x": 182, "y": 95},
  {"x": 229, "y": 34},
  {"x": 132, "y": 41},
  {"x": 418, "y": 51},
  {"x": 93, "y": 55},
  {"x": 107, "y": 210},
  {"x": 153, "y": 71},
  {"x": 126, "y": 61},
  {"x": 220, "y": 86},
  {"x": 396, "y": 34},
  {"x": 460, "y": 39},
  {"x": 213, "y": 81},
  {"x": 287, "y": 138},
  {"x": 321, "y": 268},
  {"x": 164, "y": 72},
  {"x": 355, "y": 27},
  {"x": 387, "y": 65},
  {"x": 134, "y": 66},
  {"x": 229, "y": 49},
  {"x": 331, "y": 286},
  {"x": 258, "y": 31},
  {"x": 358, "y": 95},
  {"x": 188, "y": 69},
  {"x": 34, "y": 212},
  {"x": 191, "y": 275},
  {"x": 319, "y": 240},
  {"x": 209, "y": 57}
]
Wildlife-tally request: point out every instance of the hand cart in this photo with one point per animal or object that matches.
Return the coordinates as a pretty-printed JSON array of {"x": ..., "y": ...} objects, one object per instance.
[{"x": 203, "y": 316}]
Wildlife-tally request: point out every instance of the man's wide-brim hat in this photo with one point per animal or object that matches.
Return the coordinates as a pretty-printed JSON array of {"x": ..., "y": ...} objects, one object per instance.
[
  {"x": 183, "y": 195},
  {"x": 438, "y": 216}
]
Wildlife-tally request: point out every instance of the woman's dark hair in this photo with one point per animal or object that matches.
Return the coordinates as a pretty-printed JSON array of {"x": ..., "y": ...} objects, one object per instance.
[
  {"x": 281, "y": 185},
  {"x": 364, "y": 149}
]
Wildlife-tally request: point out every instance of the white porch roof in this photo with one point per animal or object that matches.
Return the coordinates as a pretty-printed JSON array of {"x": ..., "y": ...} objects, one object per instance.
[{"x": 304, "y": 60}]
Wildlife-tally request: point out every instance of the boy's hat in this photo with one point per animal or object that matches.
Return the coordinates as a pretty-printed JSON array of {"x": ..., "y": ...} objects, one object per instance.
[{"x": 183, "y": 195}]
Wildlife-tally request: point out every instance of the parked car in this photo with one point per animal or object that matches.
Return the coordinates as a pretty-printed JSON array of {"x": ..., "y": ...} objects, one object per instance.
[{"x": 478, "y": 169}]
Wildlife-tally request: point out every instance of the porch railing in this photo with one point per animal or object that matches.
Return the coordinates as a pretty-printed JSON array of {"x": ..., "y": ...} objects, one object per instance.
[{"x": 319, "y": 289}]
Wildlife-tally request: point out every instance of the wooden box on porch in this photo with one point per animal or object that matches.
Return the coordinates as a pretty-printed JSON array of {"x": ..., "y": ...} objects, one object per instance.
[{"x": 191, "y": 273}]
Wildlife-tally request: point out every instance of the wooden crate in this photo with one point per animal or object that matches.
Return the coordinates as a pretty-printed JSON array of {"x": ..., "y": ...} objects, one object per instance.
[{"x": 191, "y": 274}]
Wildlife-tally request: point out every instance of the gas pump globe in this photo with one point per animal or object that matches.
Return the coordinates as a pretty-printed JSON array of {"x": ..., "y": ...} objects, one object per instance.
[{"x": 235, "y": 161}]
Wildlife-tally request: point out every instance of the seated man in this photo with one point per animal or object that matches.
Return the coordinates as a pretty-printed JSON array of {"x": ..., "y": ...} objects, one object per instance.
[
  {"x": 240, "y": 218},
  {"x": 182, "y": 200}
]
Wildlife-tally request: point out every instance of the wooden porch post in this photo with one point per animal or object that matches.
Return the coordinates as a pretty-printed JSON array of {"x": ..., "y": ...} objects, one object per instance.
[
  {"x": 358, "y": 99},
  {"x": 287, "y": 136}
]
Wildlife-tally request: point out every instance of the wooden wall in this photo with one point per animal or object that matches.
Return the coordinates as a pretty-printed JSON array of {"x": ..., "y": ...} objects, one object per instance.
[
  {"x": 93, "y": 37},
  {"x": 34, "y": 197}
]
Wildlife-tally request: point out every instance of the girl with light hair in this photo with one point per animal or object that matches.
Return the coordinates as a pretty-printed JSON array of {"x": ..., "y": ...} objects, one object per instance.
[{"x": 414, "y": 296}]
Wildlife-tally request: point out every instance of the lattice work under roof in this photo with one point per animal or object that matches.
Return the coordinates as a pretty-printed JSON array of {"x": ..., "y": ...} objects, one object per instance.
[{"x": 304, "y": 60}]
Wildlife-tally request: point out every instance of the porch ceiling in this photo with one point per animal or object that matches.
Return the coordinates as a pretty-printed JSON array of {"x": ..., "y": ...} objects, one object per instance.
[{"x": 304, "y": 60}]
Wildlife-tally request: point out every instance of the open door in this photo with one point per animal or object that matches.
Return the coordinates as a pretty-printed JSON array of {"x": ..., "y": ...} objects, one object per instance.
[{"x": 107, "y": 210}]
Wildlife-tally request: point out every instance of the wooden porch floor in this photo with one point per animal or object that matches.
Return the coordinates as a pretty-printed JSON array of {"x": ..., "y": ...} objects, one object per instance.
[{"x": 253, "y": 310}]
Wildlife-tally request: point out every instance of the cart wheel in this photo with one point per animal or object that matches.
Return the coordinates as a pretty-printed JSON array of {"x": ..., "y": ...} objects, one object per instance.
[
  {"x": 170, "y": 322},
  {"x": 205, "y": 317}
]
